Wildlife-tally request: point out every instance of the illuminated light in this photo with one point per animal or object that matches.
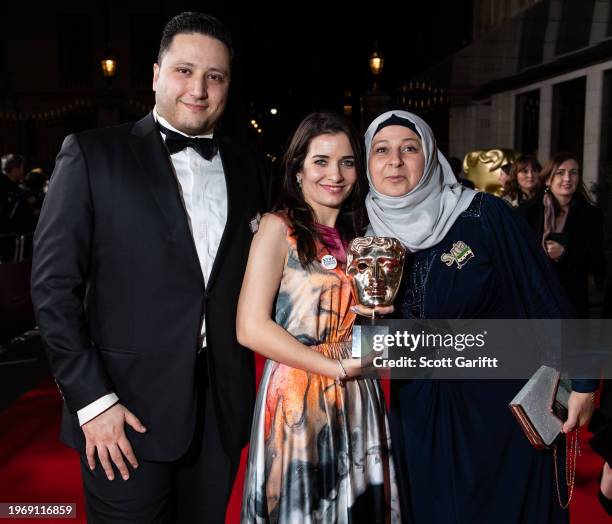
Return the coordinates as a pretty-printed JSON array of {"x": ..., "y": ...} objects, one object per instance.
[
  {"x": 109, "y": 66},
  {"x": 376, "y": 62}
]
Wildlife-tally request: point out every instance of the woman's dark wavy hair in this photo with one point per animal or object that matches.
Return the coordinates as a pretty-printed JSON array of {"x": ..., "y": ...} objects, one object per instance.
[
  {"x": 512, "y": 187},
  {"x": 550, "y": 168},
  {"x": 351, "y": 220}
]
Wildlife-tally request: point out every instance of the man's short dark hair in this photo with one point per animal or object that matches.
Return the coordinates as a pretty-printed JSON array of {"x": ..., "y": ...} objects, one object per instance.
[
  {"x": 10, "y": 162},
  {"x": 190, "y": 22}
]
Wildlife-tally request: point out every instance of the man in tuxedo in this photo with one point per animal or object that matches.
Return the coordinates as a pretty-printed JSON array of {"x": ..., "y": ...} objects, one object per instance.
[{"x": 138, "y": 260}]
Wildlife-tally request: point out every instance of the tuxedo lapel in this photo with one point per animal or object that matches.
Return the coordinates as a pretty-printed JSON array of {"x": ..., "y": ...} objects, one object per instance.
[
  {"x": 235, "y": 205},
  {"x": 159, "y": 179}
]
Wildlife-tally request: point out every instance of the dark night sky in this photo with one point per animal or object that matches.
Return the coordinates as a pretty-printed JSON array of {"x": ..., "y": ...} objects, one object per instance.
[
  {"x": 302, "y": 58},
  {"x": 298, "y": 57},
  {"x": 311, "y": 51},
  {"x": 317, "y": 54}
]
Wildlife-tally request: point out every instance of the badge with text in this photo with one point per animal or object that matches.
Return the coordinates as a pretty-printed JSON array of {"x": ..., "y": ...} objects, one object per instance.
[
  {"x": 329, "y": 262},
  {"x": 460, "y": 253}
]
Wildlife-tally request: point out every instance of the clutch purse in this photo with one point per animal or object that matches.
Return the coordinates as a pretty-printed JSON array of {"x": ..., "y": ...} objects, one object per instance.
[{"x": 540, "y": 407}]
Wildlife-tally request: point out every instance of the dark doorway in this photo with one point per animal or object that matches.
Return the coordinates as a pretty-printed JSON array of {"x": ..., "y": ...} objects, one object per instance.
[
  {"x": 527, "y": 122},
  {"x": 568, "y": 117}
]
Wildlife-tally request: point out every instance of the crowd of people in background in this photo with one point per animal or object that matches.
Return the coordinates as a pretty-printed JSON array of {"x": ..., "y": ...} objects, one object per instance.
[
  {"x": 556, "y": 204},
  {"x": 21, "y": 198}
]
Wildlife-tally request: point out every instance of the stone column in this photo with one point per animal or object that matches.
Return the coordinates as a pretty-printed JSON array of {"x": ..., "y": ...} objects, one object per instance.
[
  {"x": 592, "y": 127},
  {"x": 545, "y": 134}
]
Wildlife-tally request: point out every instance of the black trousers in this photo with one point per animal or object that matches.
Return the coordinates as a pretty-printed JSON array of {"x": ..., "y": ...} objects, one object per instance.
[{"x": 194, "y": 489}]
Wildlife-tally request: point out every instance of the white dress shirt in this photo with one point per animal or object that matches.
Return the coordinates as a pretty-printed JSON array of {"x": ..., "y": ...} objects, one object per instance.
[{"x": 204, "y": 194}]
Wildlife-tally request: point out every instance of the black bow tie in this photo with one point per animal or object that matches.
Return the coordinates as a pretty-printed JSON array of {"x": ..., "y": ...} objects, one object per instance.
[{"x": 176, "y": 142}]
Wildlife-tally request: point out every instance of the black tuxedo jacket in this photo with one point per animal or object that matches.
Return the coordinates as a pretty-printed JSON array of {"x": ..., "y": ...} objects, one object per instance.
[{"x": 119, "y": 294}]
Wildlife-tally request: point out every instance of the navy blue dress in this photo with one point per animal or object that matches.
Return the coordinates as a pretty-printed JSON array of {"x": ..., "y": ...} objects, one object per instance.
[{"x": 461, "y": 455}]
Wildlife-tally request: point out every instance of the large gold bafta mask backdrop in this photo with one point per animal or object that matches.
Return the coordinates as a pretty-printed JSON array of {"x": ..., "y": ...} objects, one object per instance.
[
  {"x": 375, "y": 265},
  {"x": 484, "y": 168}
]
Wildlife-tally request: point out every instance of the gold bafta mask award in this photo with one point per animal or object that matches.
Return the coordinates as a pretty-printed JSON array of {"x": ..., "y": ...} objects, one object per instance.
[
  {"x": 375, "y": 265},
  {"x": 485, "y": 167}
]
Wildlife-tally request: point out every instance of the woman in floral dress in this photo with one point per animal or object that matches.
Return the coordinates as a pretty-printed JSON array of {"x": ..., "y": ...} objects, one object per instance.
[{"x": 320, "y": 449}]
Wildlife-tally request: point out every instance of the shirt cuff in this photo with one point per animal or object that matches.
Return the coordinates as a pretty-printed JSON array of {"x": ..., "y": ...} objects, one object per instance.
[{"x": 96, "y": 407}]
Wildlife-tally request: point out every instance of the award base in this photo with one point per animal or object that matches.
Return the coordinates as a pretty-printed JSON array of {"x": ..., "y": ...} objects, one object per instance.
[{"x": 364, "y": 332}]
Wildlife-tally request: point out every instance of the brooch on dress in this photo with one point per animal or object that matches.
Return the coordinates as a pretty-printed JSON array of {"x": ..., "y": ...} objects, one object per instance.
[{"x": 460, "y": 253}]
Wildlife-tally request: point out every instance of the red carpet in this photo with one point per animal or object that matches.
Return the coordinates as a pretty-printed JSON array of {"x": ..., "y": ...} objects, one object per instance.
[{"x": 36, "y": 467}]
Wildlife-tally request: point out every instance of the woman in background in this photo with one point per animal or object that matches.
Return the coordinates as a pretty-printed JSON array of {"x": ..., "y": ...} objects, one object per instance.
[
  {"x": 523, "y": 180},
  {"x": 570, "y": 228}
]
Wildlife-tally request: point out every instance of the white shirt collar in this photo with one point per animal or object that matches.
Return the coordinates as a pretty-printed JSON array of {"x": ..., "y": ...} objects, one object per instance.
[{"x": 165, "y": 123}]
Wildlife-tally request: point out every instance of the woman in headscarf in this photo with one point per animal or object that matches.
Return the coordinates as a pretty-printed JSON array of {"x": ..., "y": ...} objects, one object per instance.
[{"x": 462, "y": 456}]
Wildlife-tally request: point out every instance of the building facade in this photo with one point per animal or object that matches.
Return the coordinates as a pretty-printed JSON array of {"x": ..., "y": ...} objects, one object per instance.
[{"x": 536, "y": 78}]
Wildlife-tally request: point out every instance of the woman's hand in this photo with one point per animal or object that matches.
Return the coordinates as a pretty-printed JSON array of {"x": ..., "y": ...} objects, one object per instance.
[
  {"x": 372, "y": 312},
  {"x": 579, "y": 410},
  {"x": 554, "y": 250},
  {"x": 352, "y": 367}
]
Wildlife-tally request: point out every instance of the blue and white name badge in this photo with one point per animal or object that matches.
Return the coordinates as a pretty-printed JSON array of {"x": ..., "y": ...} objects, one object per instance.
[{"x": 329, "y": 262}]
